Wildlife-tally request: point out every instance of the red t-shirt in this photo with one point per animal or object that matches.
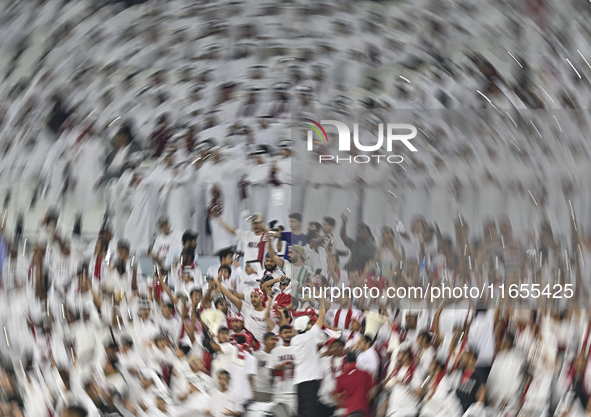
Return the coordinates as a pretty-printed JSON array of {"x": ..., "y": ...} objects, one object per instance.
[
  {"x": 355, "y": 385},
  {"x": 377, "y": 281}
]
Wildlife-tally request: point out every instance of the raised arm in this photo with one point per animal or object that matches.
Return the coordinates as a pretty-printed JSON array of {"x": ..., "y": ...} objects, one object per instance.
[
  {"x": 270, "y": 284},
  {"x": 278, "y": 261},
  {"x": 167, "y": 290},
  {"x": 134, "y": 288},
  {"x": 283, "y": 320},
  {"x": 235, "y": 300},
  {"x": 332, "y": 266},
  {"x": 268, "y": 318},
  {"x": 395, "y": 252},
  {"x": 321, "y": 314},
  {"x": 226, "y": 226},
  {"x": 98, "y": 302},
  {"x": 207, "y": 297},
  {"x": 346, "y": 239}
]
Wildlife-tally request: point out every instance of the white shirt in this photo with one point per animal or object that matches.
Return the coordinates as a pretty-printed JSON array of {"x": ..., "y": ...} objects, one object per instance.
[
  {"x": 482, "y": 337},
  {"x": 64, "y": 268},
  {"x": 212, "y": 271},
  {"x": 264, "y": 378},
  {"x": 118, "y": 160},
  {"x": 249, "y": 242},
  {"x": 286, "y": 356},
  {"x": 239, "y": 373},
  {"x": 171, "y": 326},
  {"x": 504, "y": 378},
  {"x": 246, "y": 283},
  {"x": 221, "y": 401},
  {"x": 331, "y": 368},
  {"x": 223, "y": 359},
  {"x": 307, "y": 358},
  {"x": 317, "y": 259},
  {"x": 144, "y": 331},
  {"x": 369, "y": 361},
  {"x": 254, "y": 321},
  {"x": 165, "y": 243}
]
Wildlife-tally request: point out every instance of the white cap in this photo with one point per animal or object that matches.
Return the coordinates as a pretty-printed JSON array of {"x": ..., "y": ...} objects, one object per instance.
[{"x": 301, "y": 323}]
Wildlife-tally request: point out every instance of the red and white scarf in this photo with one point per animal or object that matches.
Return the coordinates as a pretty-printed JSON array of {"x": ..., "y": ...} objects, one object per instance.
[
  {"x": 409, "y": 372},
  {"x": 262, "y": 246},
  {"x": 337, "y": 318}
]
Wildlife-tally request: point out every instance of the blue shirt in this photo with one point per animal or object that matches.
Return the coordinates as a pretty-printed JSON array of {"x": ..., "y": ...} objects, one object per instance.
[{"x": 292, "y": 239}]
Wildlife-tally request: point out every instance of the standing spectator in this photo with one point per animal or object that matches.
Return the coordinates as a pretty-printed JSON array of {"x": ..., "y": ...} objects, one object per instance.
[
  {"x": 362, "y": 249},
  {"x": 355, "y": 389},
  {"x": 161, "y": 135},
  {"x": 165, "y": 241},
  {"x": 223, "y": 400},
  {"x": 264, "y": 378},
  {"x": 307, "y": 367}
]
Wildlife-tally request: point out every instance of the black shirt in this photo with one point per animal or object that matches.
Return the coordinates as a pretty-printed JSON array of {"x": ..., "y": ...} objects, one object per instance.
[
  {"x": 57, "y": 119},
  {"x": 466, "y": 391},
  {"x": 579, "y": 391},
  {"x": 361, "y": 252}
]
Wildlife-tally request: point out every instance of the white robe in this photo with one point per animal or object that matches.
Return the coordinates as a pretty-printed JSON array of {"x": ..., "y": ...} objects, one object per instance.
[
  {"x": 376, "y": 208},
  {"x": 141, "y": 223},
  {"x": 178, "y": 202},
  {"x": 86, "y": 169},
  {"x": 259, "y": 189},
  {"x": 226, "y": 175},
  {"x": 280, "y": 196}
]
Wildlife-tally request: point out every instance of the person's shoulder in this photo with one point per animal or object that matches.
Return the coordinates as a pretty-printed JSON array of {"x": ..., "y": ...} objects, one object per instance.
[
  {"x": 315, "y": 330},
  {"x": 358, "y": 373},
  {"x": 246, "y": 306},
  {"x": 374, "y": 353},
  {"x": 240, "y": 232},
  {"x": 277, "y": 350},
  {"x": 231, "y": 394},
  {"x": 228, "y": 348}
]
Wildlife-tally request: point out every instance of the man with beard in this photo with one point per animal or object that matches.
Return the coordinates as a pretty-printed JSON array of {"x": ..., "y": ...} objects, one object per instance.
[
  {"x": 296, "y": 268},
  {"x": 253, "y": 312},
  {"x": 271, "y": 268},
  {"x": 237, "y": 322}
]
